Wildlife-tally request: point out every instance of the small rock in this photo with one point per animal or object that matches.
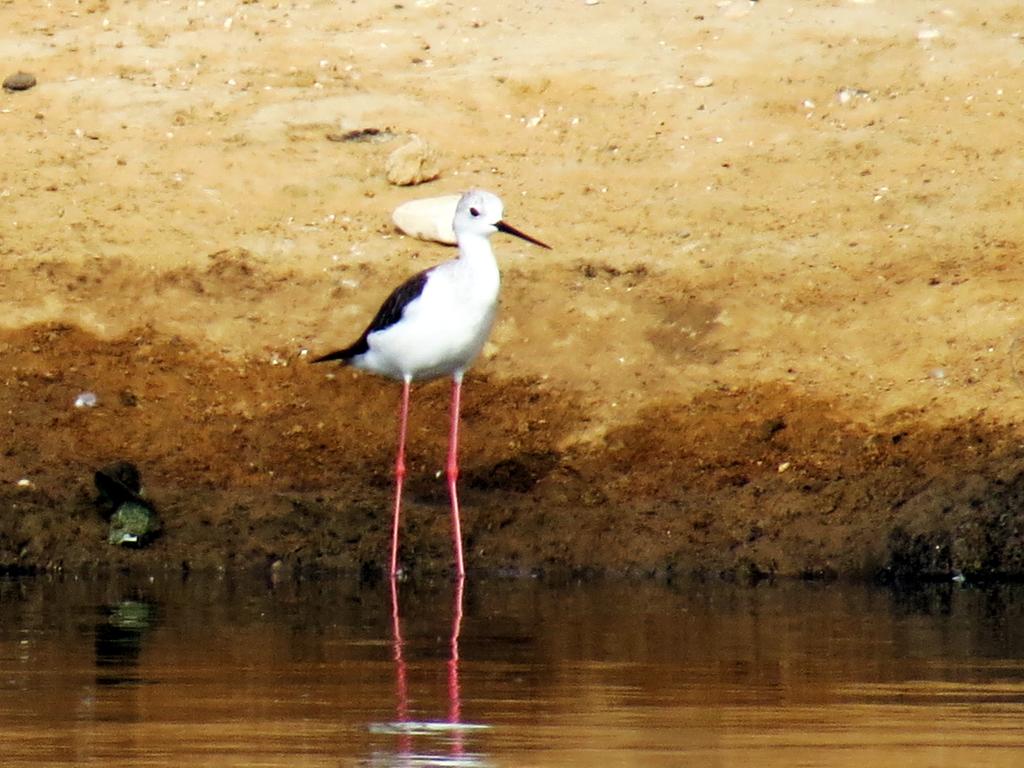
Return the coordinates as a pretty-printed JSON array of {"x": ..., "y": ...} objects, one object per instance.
[
  {"x": 134, "y": 522},
  {"x": 428, "y": 218},
  {"x": 19, "y": 81},
  {"x": 846, "y": 95},
  {"x": 133, "y": 525},
  {"x": 412, "y": 163},
  {"x": 704, "y": 81},
  {"x": 86, "y": 400}
]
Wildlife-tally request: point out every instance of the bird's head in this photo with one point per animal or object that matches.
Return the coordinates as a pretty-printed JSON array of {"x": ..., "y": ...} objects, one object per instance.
[{"x": 480, "y": 212}]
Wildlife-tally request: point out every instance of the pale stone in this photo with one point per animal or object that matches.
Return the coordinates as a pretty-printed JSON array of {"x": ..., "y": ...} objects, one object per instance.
[
  {"x": 429, "y": 218},
  {"x": 412, "y": 163}
]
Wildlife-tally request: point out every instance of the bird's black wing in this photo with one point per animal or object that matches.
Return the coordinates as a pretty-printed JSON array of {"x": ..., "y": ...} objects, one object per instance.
[{"x": 390, "y": 312}]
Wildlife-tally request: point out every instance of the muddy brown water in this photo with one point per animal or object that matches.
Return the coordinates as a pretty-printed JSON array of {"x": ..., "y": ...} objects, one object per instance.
[{"x": 235, "y": 672}]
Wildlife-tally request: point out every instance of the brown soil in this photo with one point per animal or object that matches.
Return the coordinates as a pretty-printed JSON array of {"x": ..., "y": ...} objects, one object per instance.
[{"x": 777, "y": 332}]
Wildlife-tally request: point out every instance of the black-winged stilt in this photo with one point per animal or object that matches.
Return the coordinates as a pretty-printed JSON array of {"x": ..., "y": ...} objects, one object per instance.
[{"x": 433, "y": 325}]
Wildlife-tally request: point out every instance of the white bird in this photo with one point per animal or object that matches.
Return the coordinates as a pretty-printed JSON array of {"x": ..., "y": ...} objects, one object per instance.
[{"x": 433, "y": 325}]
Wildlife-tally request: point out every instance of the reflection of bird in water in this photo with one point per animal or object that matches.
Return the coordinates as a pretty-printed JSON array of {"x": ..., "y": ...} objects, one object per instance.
[
  {"x": 454, "y": 694},
  {"x": 452, "y": 729},
  {"x": 433, "y": 325}
]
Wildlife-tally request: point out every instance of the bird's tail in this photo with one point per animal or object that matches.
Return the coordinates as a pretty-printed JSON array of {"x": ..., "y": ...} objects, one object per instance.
[{"x": 341, "y": 354}]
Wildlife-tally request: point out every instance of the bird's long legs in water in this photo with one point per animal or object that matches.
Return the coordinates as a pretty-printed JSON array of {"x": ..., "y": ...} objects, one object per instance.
[
  {"x": 403, "y": 421},
  {"x": 451, "y": 469}
]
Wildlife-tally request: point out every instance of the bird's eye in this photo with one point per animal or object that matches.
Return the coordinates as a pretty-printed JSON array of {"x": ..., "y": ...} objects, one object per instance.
[{"x": 474, "y": 212}]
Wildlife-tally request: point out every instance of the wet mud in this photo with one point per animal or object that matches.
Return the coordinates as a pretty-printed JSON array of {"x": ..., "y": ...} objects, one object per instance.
[{"x": 257, "y": 465}]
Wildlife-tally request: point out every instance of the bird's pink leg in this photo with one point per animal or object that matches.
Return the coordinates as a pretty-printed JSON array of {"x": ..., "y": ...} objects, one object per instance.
[
  {"x": 452, "y": 469},
  {"x": 403, "y": 420}
]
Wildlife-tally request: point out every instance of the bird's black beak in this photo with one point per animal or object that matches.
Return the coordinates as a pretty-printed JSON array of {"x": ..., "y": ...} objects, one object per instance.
[{"x": 508, "y": 229}]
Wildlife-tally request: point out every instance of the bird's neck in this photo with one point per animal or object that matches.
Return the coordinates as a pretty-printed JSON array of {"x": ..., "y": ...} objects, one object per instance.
[
  {"x": 478, "y": 269},
  {"x": 475, "y": 252}
]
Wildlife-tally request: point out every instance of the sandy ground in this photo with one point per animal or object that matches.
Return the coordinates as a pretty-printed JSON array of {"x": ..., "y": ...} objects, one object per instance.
[{"x": 777, "y": 332}]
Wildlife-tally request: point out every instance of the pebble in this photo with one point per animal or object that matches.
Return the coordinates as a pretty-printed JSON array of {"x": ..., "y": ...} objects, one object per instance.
[
  {"x": 134, "y": 521},
  {"x": 86, "y": 400},
  {"x": 429, "y": 218},
  {"x": 19, "y": 81},
  {"x": 704, "y": 81},
  {"x": 846, "y": 94},
  {"x": 133, "y": 525},
  {"x": 412, "y": 163}
]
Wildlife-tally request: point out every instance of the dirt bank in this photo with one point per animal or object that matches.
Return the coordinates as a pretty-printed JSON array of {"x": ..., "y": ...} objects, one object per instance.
[{"x": 777, "y": 332}]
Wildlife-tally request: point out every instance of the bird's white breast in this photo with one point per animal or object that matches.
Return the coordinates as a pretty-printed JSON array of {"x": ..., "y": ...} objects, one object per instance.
[{"x": 444, "y": 328}]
